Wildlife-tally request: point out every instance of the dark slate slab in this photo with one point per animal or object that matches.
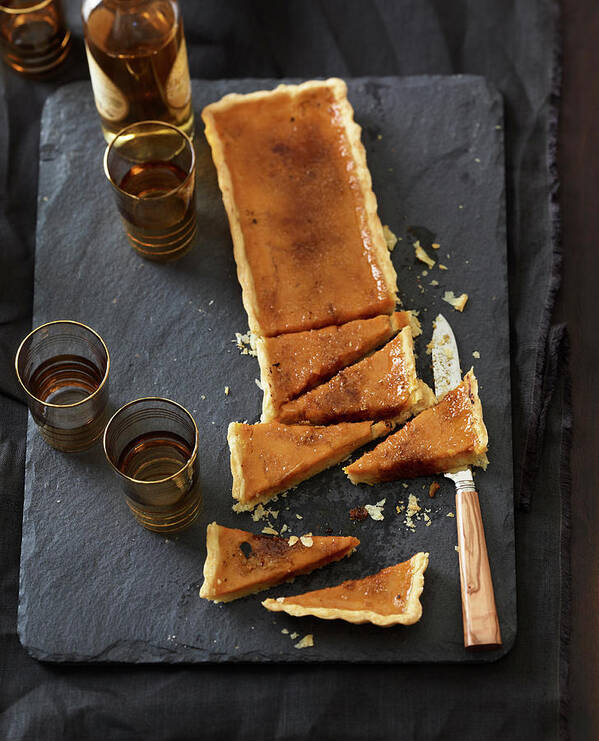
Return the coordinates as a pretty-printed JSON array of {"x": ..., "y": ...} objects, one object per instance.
[{"x": 94, "y": 585}]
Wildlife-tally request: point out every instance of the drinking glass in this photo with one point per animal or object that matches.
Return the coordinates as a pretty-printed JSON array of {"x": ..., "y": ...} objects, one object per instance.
[
  {"x": 63, "y": 367},
  {"x": 152, "y": 445},
  {"x": 151, "y": 168}
]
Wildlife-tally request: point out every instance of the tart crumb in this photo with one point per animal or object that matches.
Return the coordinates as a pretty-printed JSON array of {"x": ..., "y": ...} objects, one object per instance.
[
  {"x": 307, "y": 540},
  {"x": 246, "y": 343},
  {"x": 450, "y": 514},
  {"x": 306, "y": 642},
  {"x": 285, "y": 632},
  {"x": 227, "y": 390},
  {"x": 433, "y": 489},
  {"x": 443, "y": 267},
  {"x": 269, "y": 531},
  {"x": 258, "y": 383},
  {"x": 376, "y": 510},
  {"x": 421, "y": 254},
  {"x": 358, "y": 514},
  {"x": 476, "y": 354},
  {"x": 435, "y": 245},
  {"x": 299, "y": 517},
  {"x": 390, "y": 238},
  {"x": 293, "y": 539},
  {"x": 294, "y": 635},
  {"x": 434, "y": 283},
  {"x": 413, "y": 509},
  {"x": 458, "y": 302}
]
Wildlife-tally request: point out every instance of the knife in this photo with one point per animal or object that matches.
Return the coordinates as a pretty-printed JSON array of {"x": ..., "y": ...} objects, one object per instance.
[{"x": 479, "y": 614}]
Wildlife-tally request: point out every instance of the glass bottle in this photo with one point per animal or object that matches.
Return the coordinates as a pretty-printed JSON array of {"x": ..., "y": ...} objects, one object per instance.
[{"x": 138, "y": 63}]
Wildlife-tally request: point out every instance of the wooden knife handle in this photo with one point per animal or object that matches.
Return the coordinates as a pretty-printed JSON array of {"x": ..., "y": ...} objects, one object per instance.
[{"x": 481, "y": 625}]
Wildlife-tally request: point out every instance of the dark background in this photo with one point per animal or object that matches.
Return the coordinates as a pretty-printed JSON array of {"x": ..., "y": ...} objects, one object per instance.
[{"x": 530, "y": 693}]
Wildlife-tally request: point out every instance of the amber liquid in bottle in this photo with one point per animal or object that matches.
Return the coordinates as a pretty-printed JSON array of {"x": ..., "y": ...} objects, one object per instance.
[{"x": 138, "y": 63}]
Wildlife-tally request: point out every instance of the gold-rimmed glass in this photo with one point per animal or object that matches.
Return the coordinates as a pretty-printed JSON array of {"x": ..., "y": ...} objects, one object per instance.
[
  {"x": 151, "y": 168},
  {"x": 63, "y": 367},
  {"x": 152, "y": 445},
  {"x": 33, "y": 36}
]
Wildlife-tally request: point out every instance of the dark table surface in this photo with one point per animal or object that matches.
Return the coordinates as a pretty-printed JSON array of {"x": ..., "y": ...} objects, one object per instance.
[
  {"x": 578, "y": 161},
  {"x": 48, "y": 702}
]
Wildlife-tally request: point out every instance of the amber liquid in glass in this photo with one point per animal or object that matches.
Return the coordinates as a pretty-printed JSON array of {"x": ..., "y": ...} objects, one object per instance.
[
  {"x": 65, "y": 379},
  {"x": 168, "y": 222},
  {"x": 35, "y": 42},
  {"x": 138, "y": 65},
  {"x": 154, "y": 456}
]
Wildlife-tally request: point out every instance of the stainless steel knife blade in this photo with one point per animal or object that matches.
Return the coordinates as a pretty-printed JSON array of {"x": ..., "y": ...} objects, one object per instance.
[
  {"x": 447, "y": 374},
  {"x": 446, "y": 358}
]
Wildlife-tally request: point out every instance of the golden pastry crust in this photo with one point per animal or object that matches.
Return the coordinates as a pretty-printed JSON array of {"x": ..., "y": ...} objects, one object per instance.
[
  {"x": 442, "y": 439},
  {"x": 410, "y": 613},
  {"x": 269, "y": 457},
  {"x": 380, "y": 265},
  {"x": 383, "y": 385},
  {"x": 232, "y": 571}
]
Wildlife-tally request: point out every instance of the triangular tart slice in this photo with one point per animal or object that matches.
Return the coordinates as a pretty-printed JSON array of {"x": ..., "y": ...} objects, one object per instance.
[
  {"x": 240, "y": 563},
  {"x": 294, "y": 363},
  {"x": 269, "y": 457},
  {"x": 382, "y": 386},
  {"x": 444, "y": 438},
  {"x": 391, "y": 597}
]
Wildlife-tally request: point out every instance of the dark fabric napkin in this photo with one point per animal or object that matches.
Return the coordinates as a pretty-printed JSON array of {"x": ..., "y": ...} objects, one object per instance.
[{"x": 514, "y": 44}]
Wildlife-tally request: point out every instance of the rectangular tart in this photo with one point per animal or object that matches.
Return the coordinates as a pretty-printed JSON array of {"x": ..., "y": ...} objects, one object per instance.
[{"x": 307, "y": 239}]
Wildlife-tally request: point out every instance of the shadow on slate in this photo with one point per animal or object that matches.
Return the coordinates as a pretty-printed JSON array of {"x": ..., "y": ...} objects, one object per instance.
[{"x": 94, "y": 585}]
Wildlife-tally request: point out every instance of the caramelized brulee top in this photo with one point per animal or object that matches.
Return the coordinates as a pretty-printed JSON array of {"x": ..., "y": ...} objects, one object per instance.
[
  {"x": 299, "y": 210},
  {"x": 385, "y": 593},
  {"x": 270, "y": 457},
  {"x": 240, "y": 563},
  {"x": 446, "y": 437},
  {"x": 294, "y": 363},
  {"x": 379, "y": 387}
]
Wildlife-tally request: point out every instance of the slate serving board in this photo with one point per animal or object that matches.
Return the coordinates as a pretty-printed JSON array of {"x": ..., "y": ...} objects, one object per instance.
[{"x": 95, "y": 586}]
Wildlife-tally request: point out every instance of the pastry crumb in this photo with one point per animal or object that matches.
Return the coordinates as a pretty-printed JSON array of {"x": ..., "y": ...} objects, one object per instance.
[
  {"x": 443, "y": 267},
  {"x": 227, "y": 390},
  {"x": 269, "y": 531},
  {"x": 285, "y": 632},
  {"x": 306, "y": 642},
  {"x": 412, "y": 510},
  {"x": 435, "y": 245},
  {"x": 458, "y": 302},
  {"x": 293, "y": 539},
  {"x": 307, "y": 540},
  {"x": 299, "y": 517},
  {"x": 434, "y": 283},
  {"x": 450, "y": 514},
  {"x": 390, "y": 238},
  {"x": 376, "y": 510},
  {"x": 421, "y": 254},
  {"x": 457, "y": 550},
  {"x": 476, "y": 354},
  {"x": 294, "y": 635},
  {"x": 258, "y": 383},
  {"x": 433, "y": 489},
  {"x": 246, "y": 343}
]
